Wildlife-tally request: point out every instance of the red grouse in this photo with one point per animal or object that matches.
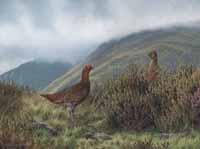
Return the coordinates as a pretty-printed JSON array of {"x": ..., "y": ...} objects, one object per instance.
[
  {"x": 153, "y": 69},
  {"x": 73, "y": 96}
]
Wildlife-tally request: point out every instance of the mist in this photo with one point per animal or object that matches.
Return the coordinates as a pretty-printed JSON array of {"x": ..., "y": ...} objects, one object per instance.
[{"x": 68, "y": 30}]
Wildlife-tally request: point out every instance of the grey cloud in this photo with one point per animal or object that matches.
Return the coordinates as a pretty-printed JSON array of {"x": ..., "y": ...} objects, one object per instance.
[
  {"x": 40, "y": 11},
  {"x": 69, "y": 29},
  {"x": 8, "y": 11},
  {"x": 88, "y": 7}
]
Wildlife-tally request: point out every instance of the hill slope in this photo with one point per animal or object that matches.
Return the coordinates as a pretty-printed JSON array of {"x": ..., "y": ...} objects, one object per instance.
[
  {"x": 174, "y": 45},
  {"x": 35, "y": 74}
]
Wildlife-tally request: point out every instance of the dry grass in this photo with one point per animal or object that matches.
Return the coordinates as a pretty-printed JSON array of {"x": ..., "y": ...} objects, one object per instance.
[{"x": 15, "y": 118}]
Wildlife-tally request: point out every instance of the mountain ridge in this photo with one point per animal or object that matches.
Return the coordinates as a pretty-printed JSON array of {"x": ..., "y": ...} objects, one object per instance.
[
  {"x": 36, "y": 74},
  {"x": 177, "y": 44}
]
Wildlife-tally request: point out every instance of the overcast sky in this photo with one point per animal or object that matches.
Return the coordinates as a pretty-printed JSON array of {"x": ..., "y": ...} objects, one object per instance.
[{"x": 68, "y": 29}]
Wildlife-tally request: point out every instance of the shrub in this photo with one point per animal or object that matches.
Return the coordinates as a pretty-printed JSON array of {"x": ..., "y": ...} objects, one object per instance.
[
  {"x": 132, "y": 103},
  {"x": 14, "y": 117},
  {"x": 125, "y": 102},
  {"x": 171, "y": 112},
  {"x": 194, "y": 103},
  {"x": 13, "y": 113}
]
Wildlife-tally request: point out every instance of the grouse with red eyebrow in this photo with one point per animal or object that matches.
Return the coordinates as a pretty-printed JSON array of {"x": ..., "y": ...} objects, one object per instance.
[{"x": 73, "y": 96}]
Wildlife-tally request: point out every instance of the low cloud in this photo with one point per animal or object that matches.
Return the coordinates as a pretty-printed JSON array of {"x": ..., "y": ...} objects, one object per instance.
[{"x": 68, "y": 30}]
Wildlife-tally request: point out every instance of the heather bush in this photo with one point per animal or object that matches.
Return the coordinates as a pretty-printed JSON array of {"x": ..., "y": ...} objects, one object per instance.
[
  {"x": 13, "y": 112},
  {"x": 194, "y": 103},
  {"x": 171, "y": 112},
  {"x": 14, "y": 116},
  {"x": 125, "y": 101},
  {"x": 132, "y": 103}
]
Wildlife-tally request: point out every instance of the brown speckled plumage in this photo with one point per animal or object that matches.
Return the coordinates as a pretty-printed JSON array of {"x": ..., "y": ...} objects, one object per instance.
[{"x": 75, "y": 94}]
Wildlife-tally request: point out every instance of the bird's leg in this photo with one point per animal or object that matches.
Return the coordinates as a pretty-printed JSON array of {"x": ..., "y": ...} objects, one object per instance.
[{"x": 71, "y": 108}]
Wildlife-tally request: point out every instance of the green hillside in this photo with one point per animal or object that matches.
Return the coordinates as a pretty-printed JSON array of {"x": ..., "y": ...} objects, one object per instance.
[
  {"x": 174, "y": 45},
  {"x": 36, "y": 74}
]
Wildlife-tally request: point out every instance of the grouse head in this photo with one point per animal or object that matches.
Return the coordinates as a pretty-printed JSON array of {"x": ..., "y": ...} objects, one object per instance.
[
  {"x": 153, "y": 54},
  {"x": 88, "y": 67}
]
